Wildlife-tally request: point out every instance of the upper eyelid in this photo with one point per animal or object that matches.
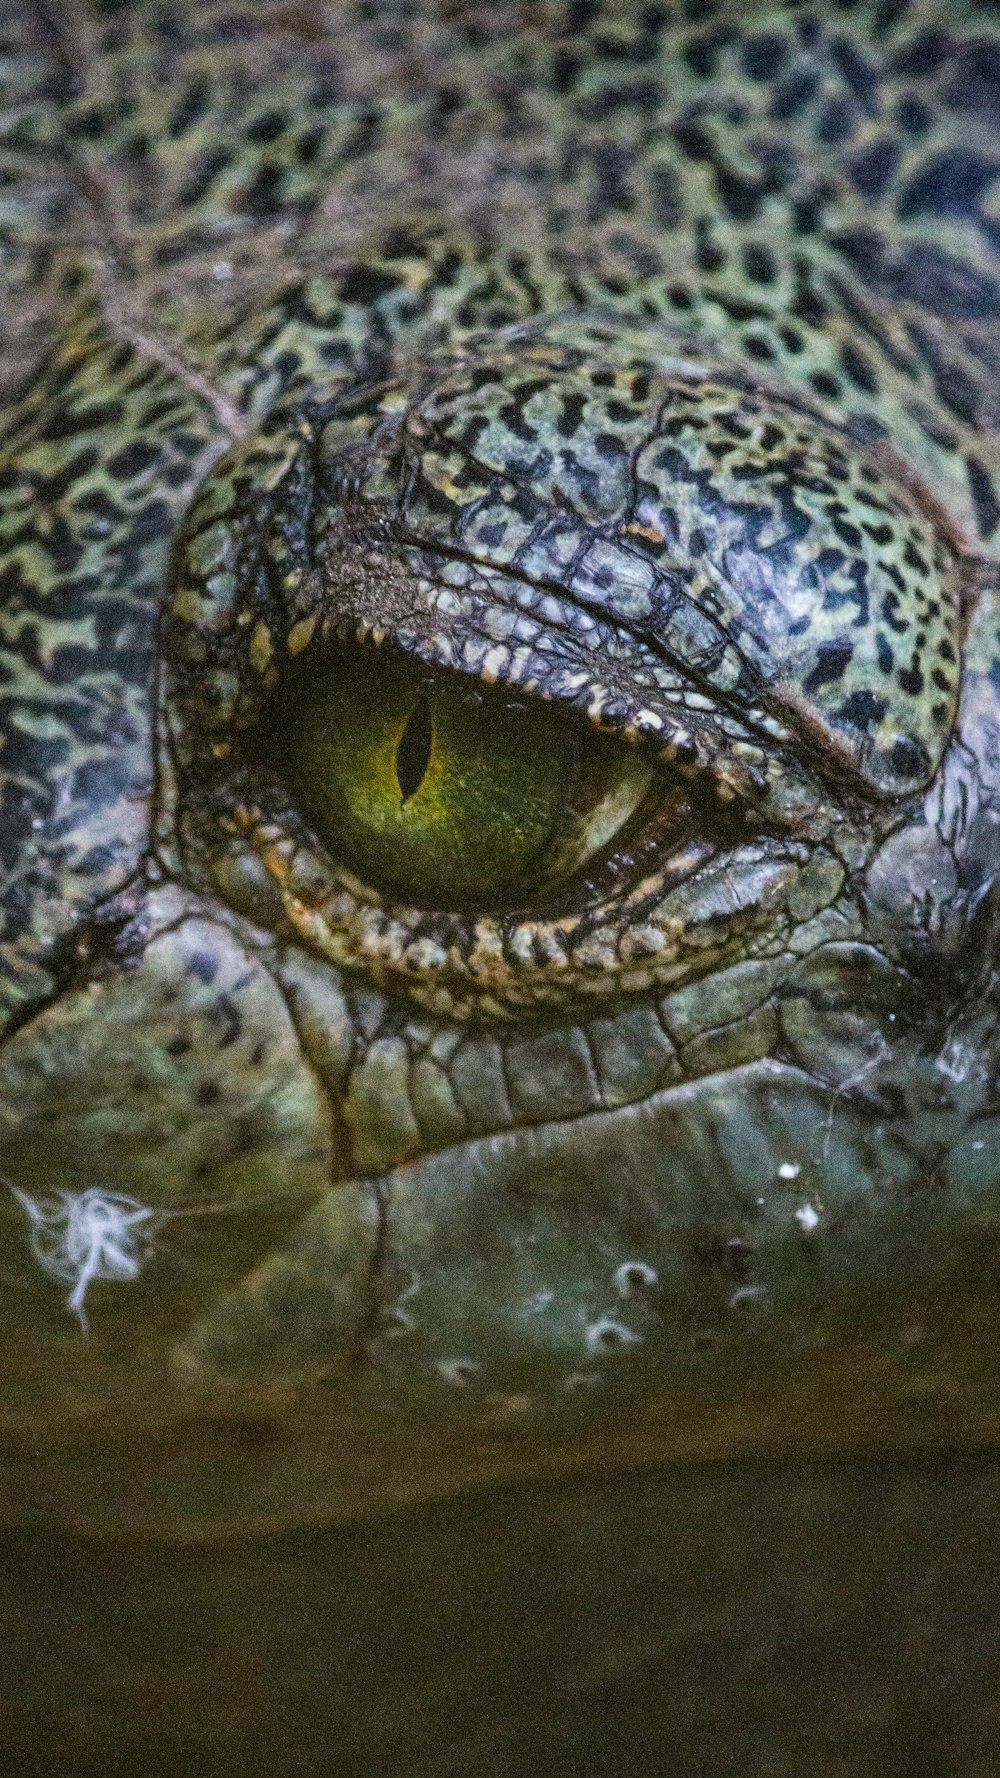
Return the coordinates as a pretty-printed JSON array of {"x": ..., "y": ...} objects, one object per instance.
[
  {"x": 690, "y": 674},
  {"x": 707, "y": 765},
  {"x": 536, "y": 636},
  {"x": 731, "y": 449}
]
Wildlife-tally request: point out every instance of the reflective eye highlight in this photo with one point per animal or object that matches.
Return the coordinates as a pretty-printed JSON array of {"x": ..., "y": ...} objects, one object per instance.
[{"x": 442, "y": 792}]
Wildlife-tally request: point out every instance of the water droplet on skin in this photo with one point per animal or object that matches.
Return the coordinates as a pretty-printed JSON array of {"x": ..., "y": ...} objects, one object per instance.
[
  {"x": 747, "y": 1294},
  {"x": 634, "y": 1276},
  {"x": 606, "y": 1334},
  {"x": 457, "y": 1371}
]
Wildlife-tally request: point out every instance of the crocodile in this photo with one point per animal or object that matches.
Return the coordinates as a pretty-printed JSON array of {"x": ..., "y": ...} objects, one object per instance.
[{"x": 499, "y": 755}]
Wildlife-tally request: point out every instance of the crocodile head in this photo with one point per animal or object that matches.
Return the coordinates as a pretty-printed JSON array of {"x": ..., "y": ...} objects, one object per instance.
[{"x": 502, "y": 939}]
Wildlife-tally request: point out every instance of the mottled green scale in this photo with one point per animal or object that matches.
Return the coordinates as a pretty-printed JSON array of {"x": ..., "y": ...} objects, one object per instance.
[{"x": 87, "y": 515}]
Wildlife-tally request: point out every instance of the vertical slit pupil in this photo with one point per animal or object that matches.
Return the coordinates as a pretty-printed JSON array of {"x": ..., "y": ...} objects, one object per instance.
[{"x": 413, "y": 754}]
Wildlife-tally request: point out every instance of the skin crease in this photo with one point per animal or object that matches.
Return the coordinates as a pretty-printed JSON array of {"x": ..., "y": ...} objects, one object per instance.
[{"x": 640, "y": 362}]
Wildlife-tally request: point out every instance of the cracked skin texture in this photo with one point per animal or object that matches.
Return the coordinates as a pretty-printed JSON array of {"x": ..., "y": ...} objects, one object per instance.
[{"x": 640, "y": 364}]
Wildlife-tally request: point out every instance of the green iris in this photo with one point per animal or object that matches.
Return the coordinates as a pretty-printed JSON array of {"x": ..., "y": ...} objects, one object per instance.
[{"x": 441, "y": 791}]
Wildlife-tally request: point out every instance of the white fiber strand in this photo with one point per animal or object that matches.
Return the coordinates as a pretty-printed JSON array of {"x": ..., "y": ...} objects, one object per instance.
[{"x": 79, "y": 1236}]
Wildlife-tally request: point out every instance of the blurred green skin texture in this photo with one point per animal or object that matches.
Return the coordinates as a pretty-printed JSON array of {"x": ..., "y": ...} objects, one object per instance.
[
  {"x": 441, "y": 1339},
  {"x": 777, "y": 1621}
]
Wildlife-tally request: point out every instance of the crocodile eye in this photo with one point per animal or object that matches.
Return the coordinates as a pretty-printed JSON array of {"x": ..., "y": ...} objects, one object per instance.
[{"x": 445, "y": 793}]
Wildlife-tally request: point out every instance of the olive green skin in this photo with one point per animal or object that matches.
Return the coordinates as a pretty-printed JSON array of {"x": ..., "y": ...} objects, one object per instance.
[{"x": 432, "y": 1205}]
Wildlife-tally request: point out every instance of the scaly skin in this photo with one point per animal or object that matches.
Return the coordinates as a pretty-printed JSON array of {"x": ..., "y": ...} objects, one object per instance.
[
  {"x": 646, "y": 367},
  {"x": 641, "y": 359}
]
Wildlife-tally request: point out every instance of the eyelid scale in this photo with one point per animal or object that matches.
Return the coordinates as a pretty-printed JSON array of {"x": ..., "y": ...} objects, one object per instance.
[{"x": 754, "y": 541}]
